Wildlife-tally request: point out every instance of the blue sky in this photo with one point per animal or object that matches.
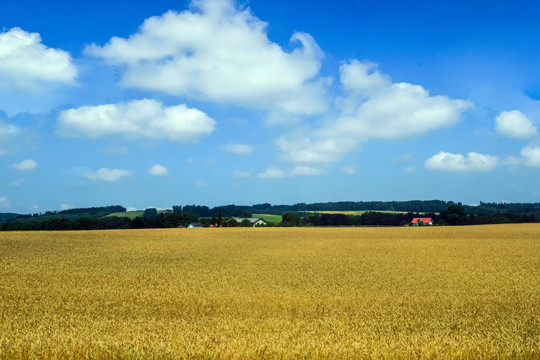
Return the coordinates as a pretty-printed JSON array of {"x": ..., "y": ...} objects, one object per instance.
[{"x": 215, "y": 102}]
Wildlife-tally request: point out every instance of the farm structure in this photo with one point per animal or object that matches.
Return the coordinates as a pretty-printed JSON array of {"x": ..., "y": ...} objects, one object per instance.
[
  {"x": 255, "y": 221},
  {"x": 422, "y": 221}
]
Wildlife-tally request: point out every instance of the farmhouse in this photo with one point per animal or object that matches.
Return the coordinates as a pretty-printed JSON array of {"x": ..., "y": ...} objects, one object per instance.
[
  {"x": 422, "y": 221},
  {"x": 254, "y": 221},
  {"x": 195, "y": 225}
]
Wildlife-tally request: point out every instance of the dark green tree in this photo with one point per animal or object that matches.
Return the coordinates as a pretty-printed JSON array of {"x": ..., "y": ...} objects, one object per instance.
[
  {"x": 290, "y": 219},
  {"x": 219, "y": 219},
  {"x": 150, "y": 212},
  {"x": 455, "y": 215}
]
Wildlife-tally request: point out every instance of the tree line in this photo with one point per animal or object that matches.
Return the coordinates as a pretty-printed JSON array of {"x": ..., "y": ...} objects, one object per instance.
[
  {"x": 413, "y": 206},
  {"x": 455, "y": 214},
  {"x": 163, "y": 220}
]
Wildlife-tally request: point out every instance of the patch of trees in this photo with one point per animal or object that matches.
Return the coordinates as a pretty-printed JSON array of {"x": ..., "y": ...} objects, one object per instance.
[
  {"x": 370, "y": 218},
  {"x": 67, "y": 224},
  {"x": 412, "y": 206},
  {"x": 226, "y": 211},
  {"x": 71, "y": 214},
  {"x": 455, "y": 214},
  {"x": 504, "y": 208},
  {"x": 163, "y": 220},
  {"x": 94, "y": 211},
  {"x": 5, "y": 217}
]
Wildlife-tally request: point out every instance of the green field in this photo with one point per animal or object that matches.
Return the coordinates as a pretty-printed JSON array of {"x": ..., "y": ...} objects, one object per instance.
[
  {"x": 133, "y": 214},
  {"x": 269, "y": 218},
  {"x": 128, "y": 214}
]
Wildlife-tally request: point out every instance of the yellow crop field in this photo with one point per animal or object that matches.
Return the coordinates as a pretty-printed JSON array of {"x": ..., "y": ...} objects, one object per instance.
[{"x": 242, "y": 293}]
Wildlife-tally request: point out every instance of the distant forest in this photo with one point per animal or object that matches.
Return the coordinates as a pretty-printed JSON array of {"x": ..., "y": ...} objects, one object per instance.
[
  {"x": 414, "y": 206},
  {"x": 375, "y": 213}
]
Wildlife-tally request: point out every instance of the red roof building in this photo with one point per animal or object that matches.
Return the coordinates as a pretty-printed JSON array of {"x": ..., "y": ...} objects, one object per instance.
[{"x": 422, "y": 221}]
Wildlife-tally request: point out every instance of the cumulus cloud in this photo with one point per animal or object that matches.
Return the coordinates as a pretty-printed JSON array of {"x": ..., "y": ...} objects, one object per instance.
[
  {"x": 158, "y": 170},
  {"x": 25, "y": 63},
  {"x": 512, "y": 161},
  {"x": 271, "y": 173},
  {"x": 27, "y": 164},
  {"x": 220, "y": 52},
  {"x": 372, "y": 107},
  {"x": 363, "y": 79},
  {"x": 107, "y": 175},
  {"x": 473, "y": 161},
  {"x": 306, "y": 171},
  {"x": 308, "y": 146},
  {"x": 4, "y": 202},
  {"x": 135, "y": 119},
  {"x": 514, "y": 124},
  {"x": 240, "y": 149},
  {"x": 66, "y": 207},
  {"x": 531, "y": 156}
]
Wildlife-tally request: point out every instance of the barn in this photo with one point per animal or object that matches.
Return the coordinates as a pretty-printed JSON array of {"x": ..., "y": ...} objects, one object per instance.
[{"x": 422, "y": 222}]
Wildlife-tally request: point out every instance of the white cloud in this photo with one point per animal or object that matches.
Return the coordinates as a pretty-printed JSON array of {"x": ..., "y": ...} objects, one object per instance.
[
  {"x": 240, "y": 149},
  {"x": 314, "y": 147},
  {"x": 392, "y": 110},
  {"x": 514, "y": 124},
  {"x": 17, "y": 183},
  {"x": 7, "y": 130},
  {"x": 135, "y": 119},
  {"x": 219, "y": 52},
  {"x": 25, "y": 63},
  {"x": 158, "y": 170},
  {"x": 271, "y": 173},
  {"x": 473, "y": 161},
  {"x": 4, "y": 202},
  {"x": 27, "y": 164},
  {"x": 306, "y": 171},
  {"x": 7, "y": 133},
  {"x": 363, "y": 79},
  {"x": 512, "y": 161},
  {"x": 373, "y": 107},
  {"x": 531, "y": 156},
  {"x": 66, "y": 207},
  {"x": 349, "y": 170},
  {"x": 107, "y": 175}
]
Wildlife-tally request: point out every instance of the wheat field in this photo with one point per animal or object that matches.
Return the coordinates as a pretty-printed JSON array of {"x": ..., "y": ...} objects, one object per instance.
[{"x": 243, "y": 293}]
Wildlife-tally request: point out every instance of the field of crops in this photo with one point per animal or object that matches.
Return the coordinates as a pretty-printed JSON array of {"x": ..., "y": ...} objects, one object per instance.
[{"x": 431, "y": 292}]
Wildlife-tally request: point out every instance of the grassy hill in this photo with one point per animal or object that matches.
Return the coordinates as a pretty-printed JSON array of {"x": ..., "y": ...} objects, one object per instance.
[
  {"x": 128, "y": 214},
  {"x": 269, "y": 218}
]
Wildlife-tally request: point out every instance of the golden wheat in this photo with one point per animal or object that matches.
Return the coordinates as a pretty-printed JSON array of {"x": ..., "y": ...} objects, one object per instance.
[{"x": 412, "y": 293}]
